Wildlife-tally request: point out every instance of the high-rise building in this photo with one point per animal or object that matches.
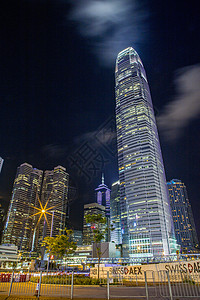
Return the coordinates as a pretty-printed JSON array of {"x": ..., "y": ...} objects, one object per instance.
[
  {"x": 19, "y": 227},
  {"x": 55, "y": 194},
  {"x": 26, "y": 224},
  {"x": 103, "y": 196},
  {"x": 2, "y": 220},
  {"x": 77, "y": 237},
  {"x": 115, "y": 214},
  {"x": 1, "y": 163},
  {"x": 147, "y": 226},
  {"x": 184, "y": 225},
  {"x": 92, "y": 209}
]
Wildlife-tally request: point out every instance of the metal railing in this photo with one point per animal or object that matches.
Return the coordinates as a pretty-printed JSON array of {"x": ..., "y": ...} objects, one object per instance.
[
  {"x": 164, "y": 284},
  {"x": 37, "y": 284},
  {"x": 170, "y": 284},
  {"x": 183, "y": 284}
]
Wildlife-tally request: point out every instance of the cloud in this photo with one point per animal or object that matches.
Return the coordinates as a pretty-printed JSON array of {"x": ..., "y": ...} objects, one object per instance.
[
  {"x": 96, "y": 137},
  {"x": 111, "y": 25},
  {"x": 55, "y": 151},
  {"x": 186, "y": 104}
]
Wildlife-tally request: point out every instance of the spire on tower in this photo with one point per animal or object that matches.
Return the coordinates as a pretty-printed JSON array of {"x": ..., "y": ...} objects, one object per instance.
[{"x": 102, "y": 178}]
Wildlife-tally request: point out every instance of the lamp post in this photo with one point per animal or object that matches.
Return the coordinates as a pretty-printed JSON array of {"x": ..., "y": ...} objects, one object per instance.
[{"x": 52, "y": 219}]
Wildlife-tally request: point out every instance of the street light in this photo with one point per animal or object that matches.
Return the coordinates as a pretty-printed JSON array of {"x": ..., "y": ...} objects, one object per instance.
[{"x": 42, "y": 211}]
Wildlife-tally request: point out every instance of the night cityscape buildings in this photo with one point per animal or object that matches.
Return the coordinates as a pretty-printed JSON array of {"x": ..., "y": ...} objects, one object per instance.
[
  {"x": 2, "y": 219},
  {"x": 115, "y": 213},
  {"x": 147, "y": 226},
  {"x": 25, "y": 226},
  {"x": 103, "y": 196},
  {"x": 19, "y": 226},
  {"x": 77, "y": 237},
  {"x": 92, "y": 209},
  {"x": 55, "y": 194},
  {"x": 184, "y": 225}
]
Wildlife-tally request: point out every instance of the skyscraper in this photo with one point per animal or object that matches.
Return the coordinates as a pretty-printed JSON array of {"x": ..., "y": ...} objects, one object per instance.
[
  {"x": 147, "y": 227},
  {"x": 91, "y": 209},
  {"x": 184, "y": 225},
  {"x": 1, "y": 163},
  {"x": 2, "y": 219},
  {"x": 103, "y": 196},
  {"x": 55, "y": 194},
  {"x": 20, "y": 225},
  {"x": 115, "y": 213}
]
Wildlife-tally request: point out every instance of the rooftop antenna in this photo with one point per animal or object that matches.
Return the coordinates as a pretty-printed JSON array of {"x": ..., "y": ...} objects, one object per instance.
[{"x": 102, "y": 178}]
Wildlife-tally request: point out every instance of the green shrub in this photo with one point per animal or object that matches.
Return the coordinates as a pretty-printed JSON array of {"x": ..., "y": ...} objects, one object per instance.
[{"x": 63, "y": 279}]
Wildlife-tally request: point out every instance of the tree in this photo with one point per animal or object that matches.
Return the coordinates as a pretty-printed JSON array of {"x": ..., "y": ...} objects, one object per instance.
[
  {"x": 100, "y": 228},
  {"x": 61, "y": 245}
]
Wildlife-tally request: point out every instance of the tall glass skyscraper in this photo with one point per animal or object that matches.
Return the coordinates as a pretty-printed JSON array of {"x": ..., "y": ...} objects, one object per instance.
[
  {"x": 147, "y": 226},
  {"x": 115, "y": 213},
  {"x": 55, "y": 194},
  {"x": 22, "y": 227},
  {"x": 19, "y": 226},
  {"x": 184, "y": 225}
]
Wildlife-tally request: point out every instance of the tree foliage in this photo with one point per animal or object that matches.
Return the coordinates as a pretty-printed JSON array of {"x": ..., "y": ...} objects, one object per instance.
[
  {"x": 100, "y": 228},
  {"x": 61, "y": 245}
]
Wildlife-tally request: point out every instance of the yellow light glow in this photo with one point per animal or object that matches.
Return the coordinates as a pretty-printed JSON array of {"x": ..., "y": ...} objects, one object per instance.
[{"x": 43, "y": 210}]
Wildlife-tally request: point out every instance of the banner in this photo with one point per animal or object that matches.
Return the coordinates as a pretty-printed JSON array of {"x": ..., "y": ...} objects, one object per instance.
[{"x": 187, "y": 268}]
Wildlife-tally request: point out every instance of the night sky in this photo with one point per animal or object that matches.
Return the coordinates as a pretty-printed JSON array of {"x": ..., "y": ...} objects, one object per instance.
[{"x": 57, "y": 61}]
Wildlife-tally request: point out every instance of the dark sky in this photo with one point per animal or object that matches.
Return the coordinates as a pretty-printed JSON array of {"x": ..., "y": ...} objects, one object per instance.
[{"x": 57, "y": 61}]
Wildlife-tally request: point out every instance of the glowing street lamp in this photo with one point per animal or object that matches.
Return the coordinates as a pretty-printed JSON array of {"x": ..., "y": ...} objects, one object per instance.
[{"x": 42, "y": 211}]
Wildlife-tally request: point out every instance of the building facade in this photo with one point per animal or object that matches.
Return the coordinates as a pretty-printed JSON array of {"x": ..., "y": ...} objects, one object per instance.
[
  {"x": 184, "y": 225},
  {"x": 103, "y": 196},
  {"x": 91, "y": 209},
  {"x": 77, "y": 237},
  {"x": 8, "y": 254},
  {"x": 2, "y": 220},
  {"x": 55, "y": 197},
  {"x": 19, "y": 226},
  {"x": 37, "y": 208},
  {"x": 115, "y": 213},
  {"x": 147, "y": 226}
]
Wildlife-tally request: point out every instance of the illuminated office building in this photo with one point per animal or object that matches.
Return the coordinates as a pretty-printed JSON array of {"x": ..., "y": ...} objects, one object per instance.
[
  {"x": 184, "y": 225},
  {"x": 2, "y": 219},
  {"x": 55, "y": 194},
  {"x": 20, "y": 225},
  {"x": 146, "y": 220},
  {"x": 77, "y": 237},
  {"x": 103, "y": 196},
  {"x": 92, "y": 209},
  {"x": 115, "y": 213},
  {"x": 1, "y": 163}
]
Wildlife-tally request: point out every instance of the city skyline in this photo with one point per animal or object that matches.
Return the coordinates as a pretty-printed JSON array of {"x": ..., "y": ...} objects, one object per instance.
[
  {"x": 57, "y": 96},
  {"x": 38, "y": 207}
]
